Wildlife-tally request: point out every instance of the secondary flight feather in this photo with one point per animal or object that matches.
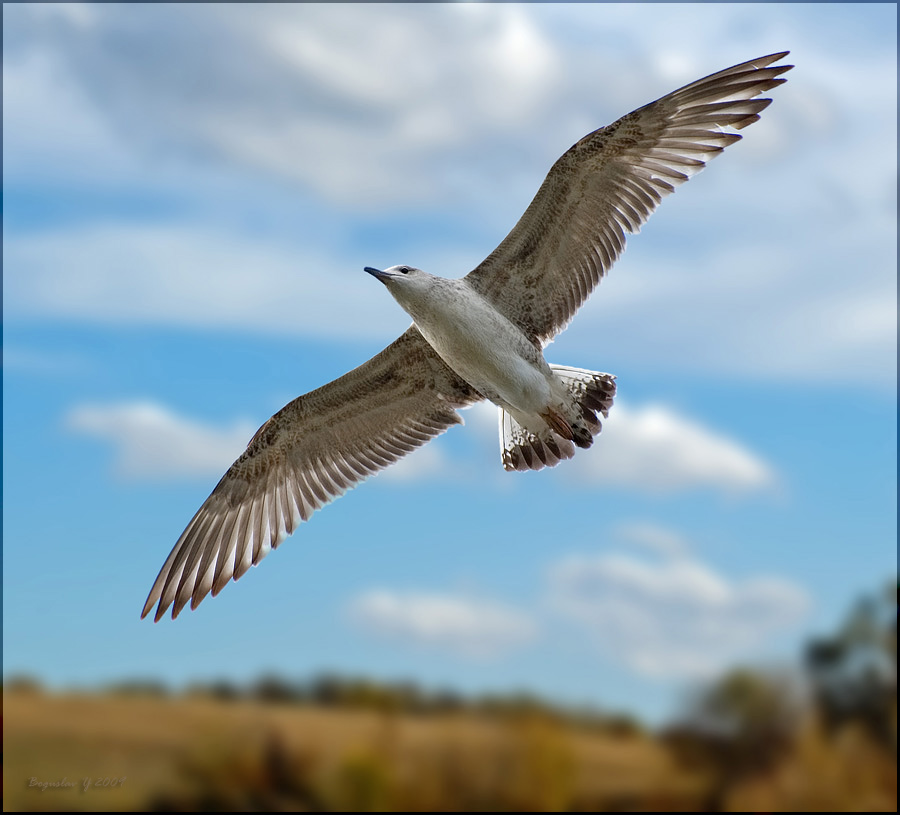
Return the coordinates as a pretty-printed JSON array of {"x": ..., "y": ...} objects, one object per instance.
[{"x": 474, "y": 338}]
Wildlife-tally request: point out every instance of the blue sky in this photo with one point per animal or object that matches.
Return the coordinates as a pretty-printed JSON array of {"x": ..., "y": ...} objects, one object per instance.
[{"x": 190, "y": 194}]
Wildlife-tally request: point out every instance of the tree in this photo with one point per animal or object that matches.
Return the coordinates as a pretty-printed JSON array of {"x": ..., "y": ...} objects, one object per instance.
[
  {"x": 736, "y": 727},
  {"x": 854, "y": 671}
]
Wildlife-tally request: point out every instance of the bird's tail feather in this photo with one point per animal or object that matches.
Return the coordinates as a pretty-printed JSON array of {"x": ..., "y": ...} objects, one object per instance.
[{"x": 592, "y": 393}]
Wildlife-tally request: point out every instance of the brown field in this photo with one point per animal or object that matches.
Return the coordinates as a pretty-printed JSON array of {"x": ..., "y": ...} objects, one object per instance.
[
  {"x": 146, "y": 751},
  {"x": 198, "y": 753}
]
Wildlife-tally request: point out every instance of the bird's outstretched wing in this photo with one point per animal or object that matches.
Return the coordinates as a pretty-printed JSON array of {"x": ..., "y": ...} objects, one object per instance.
[
  {"x": 608, "y": 184},
  {"x": 307, "y": 454}
]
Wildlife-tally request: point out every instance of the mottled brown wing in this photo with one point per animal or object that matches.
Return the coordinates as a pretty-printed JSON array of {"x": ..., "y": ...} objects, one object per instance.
[
  {"x": 307, "y": 454},
  {"x": 608, "y": 184}
]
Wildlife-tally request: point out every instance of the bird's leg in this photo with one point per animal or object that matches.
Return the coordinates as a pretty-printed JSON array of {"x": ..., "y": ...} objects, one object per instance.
[{"x": 557, "y": 422}]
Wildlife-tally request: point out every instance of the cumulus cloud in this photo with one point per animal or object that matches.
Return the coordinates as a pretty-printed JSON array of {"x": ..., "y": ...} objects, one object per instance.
[
  {"x": 666, "y": 615},
  {"x": 647, "y": 449},
  {"x": 654, "y": 448},
  {"x": 672, "y": 616},
  {"x": 308, "y": 91},
  {"x": 151, "y": 441},
  {"x": 464, "y": 626}
]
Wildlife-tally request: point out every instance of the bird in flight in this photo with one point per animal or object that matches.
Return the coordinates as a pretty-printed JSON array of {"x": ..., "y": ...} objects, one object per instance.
[{"x": 474, "y": 338}]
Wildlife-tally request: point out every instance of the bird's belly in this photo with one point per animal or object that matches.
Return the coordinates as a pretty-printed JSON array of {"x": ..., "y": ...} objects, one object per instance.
[{"x": 497, "y": 360}]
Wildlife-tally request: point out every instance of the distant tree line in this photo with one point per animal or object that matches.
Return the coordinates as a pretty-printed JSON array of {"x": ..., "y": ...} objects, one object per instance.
[
  {"x": 355, "y": 693},
  {"x": 333, "y": 691}
]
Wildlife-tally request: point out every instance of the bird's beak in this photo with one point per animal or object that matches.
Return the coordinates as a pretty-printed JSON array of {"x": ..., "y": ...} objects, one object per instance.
[{"x": 382, "y": 276}]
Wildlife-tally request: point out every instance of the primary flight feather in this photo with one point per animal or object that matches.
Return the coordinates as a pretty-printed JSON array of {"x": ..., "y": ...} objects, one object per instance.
[{"x": 478, "y": 337}]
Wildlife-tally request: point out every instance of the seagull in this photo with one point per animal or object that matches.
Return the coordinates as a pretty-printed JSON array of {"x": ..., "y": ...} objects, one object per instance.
[{"x": 473, "y": 338}]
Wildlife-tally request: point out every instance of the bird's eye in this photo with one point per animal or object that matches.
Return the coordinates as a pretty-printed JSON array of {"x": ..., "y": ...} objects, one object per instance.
[{"x": 405, "y": 269}]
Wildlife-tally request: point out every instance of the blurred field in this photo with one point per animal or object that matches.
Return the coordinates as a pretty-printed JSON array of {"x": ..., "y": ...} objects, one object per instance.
[
  {"x": 200, "y": 753},
  {"x": 821, "y": 739},
  {"x": 143, "y": 749}
]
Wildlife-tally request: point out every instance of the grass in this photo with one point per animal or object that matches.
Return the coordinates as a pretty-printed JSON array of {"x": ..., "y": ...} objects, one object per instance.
[
  {"x": 197, "y": 753},
  {"x": 144, "y": 750}
]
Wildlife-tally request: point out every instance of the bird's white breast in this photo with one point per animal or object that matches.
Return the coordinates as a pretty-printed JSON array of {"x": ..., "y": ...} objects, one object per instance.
[{"x": 482, "y": 346}]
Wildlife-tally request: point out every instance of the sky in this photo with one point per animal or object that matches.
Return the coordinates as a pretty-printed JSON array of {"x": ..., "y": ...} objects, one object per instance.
[{"x": 190, "y": 193}]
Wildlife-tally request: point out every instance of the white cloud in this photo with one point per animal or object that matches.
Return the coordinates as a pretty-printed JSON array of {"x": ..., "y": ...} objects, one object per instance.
[
  {"x": 668, "y": 616},
  {"x": 778, "y": 263},
  {"x": 150, "y": 441},
  {"x": 386, "y": 87},
  {"x": 766, "y": 307},
  {"x": 464, "y": 626},
  {"x": 663, "y": 542},
  {"x": 172, "y": 275},
  {"x": 654, "y": 448},
  {"x": 55, "y": 132},
  {"x": 649, "y": 449},
  {"x": 407, "y": 98},
  {"x": 426, "y": 463},
  {"x": 673, "y": 616}
]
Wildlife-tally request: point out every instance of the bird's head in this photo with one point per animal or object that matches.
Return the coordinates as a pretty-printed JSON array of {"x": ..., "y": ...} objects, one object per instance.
[
  {"x": 402, "y": 275},
  {"x": 410, "y": 287}
]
